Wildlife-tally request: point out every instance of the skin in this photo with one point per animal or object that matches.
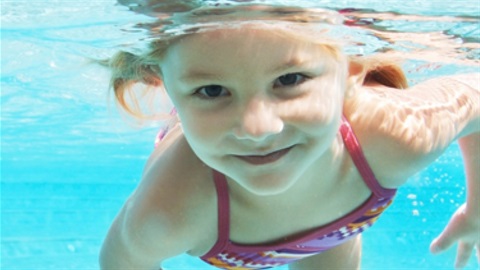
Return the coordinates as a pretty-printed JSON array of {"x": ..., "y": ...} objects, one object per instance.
[{"x": 174, "y": 208}]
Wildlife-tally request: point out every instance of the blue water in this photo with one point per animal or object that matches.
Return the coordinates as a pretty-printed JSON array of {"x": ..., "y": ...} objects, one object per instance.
[{"x": 68, "y": 160}]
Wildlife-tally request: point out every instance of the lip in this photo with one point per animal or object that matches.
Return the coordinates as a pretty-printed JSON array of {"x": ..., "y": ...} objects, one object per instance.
[{"x": 265, "y": 159}]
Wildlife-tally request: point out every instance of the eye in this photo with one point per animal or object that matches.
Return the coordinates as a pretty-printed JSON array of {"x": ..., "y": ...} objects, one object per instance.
[
  {"x": 290, "y": 79},
  {"x": 211, "y": 91}
]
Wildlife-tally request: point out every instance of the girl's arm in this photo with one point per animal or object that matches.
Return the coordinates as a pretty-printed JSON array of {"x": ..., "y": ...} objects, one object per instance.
[
  {"x": 149, "y": 227},
  {"x": 404, "y": 131},
  {"x": 139, "y": 239},
  {"x": 470, "y": 146},
  {"x": 414, "y": 127},
  {"x": 124, "y": 247},
  {"x": 464, "y": 226}
]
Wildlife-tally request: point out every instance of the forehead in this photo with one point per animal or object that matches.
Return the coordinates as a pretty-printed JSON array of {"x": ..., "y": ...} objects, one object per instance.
[{"x": 253, "y": 42}]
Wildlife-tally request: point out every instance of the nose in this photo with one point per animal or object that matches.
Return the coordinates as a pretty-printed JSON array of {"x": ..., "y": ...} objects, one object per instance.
[{"x": 259, "y": 120}]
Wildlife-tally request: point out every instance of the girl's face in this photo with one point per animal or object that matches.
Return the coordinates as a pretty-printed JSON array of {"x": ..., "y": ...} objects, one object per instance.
[{"x": 260, "y": 107}]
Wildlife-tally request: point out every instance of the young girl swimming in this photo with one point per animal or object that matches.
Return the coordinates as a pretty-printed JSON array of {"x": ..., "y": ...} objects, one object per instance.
[{"x": 285, "y": 151}]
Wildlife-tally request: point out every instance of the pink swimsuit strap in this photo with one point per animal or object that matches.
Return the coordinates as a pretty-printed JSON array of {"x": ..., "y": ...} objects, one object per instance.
[
  {"x": 223, "y": 204},
  {"x": 356, "y": 153}
]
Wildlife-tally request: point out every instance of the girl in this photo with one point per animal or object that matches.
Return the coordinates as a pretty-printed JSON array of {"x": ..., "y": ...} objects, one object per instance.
[{"x": 285, "y": 150}]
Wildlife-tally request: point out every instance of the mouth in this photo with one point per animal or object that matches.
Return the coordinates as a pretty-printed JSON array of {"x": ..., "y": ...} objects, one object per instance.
[{"x": 265, "y": 159}]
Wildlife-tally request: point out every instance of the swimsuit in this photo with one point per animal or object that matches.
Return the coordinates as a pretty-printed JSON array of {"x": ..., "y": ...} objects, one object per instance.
[{"x": 227, "y": 255}]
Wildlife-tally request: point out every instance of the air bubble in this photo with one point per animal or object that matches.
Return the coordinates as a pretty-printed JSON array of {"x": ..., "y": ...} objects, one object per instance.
[{"x": 71, "y": 248}]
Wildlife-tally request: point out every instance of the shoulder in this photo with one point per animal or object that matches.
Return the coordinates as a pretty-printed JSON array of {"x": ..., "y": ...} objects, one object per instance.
[
  {"x": 403, "y": 131},
  {"x": 174, "y": 176},
  {"x": 174, "y": 205}
]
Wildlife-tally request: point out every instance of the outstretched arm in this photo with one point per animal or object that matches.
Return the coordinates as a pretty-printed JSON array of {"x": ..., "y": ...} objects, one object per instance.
[
  {"x": 415, "y": 126},
  {"x": 464, "y": 226},
  {"x": 123, "y": 248},
  {"x": 147, "y": 229},
  {"x": 139, "y": 238}
]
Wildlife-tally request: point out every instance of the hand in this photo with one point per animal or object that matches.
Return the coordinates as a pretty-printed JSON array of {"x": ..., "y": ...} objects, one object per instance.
[{"x": 464, "y": 229}]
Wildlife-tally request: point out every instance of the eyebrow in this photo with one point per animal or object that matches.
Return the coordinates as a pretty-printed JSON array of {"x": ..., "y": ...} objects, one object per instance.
[
  {"x": 289, "y": 64},
  {"x": 195, "y": 75}
]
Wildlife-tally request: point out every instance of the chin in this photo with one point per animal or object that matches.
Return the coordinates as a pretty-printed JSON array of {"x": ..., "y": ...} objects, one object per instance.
[{"x": 267, "y": 186}]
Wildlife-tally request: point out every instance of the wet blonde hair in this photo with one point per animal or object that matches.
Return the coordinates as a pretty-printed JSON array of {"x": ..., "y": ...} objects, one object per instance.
[
  {"x": 130, "y": 69},
  {"x": 135, "y": 77}
]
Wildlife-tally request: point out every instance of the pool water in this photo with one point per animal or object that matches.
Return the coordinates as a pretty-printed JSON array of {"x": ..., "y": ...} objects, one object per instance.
[{"x": 69, "y": 160}]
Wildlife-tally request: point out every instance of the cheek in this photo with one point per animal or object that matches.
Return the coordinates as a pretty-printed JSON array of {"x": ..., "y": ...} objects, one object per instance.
[
  {"x": 198, "y": 138},
  {"x": 322, "y": 105},
  {"x": 200, "y": 131},
  {"x": 194, "y": 127},
  {"x": 327, "y": 98}
]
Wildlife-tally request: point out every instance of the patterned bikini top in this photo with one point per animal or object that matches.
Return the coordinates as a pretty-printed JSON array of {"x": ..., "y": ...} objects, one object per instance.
[{"x": 227, "y": 255}]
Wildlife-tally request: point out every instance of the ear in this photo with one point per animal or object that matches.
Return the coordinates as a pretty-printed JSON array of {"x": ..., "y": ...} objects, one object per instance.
[
  {"x": 355, "y": 77},
  {"x": 355, "y": 73}
]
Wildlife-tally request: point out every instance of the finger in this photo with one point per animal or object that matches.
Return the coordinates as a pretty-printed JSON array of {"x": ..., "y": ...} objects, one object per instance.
[
  {"x": 444, "y": 241},
  {"x": 478, "y": 253},
  {"x": 441, "y": 244},
  {"x": 463, "y": 254}
]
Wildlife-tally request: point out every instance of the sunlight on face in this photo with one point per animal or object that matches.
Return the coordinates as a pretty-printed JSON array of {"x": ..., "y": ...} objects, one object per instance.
[{"x": 257, "y": 105}]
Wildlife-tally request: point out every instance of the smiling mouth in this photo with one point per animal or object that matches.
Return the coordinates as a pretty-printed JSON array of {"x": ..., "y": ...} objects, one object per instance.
[{"x": 265, "y": 159}]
